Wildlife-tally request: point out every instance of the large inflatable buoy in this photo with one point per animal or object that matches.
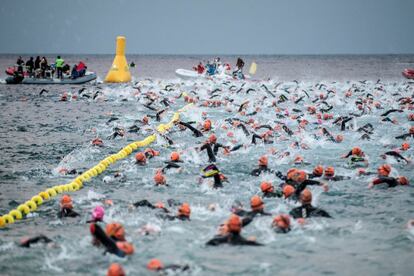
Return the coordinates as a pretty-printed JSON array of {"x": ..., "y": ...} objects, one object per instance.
[{"x": 119, "y": 71}]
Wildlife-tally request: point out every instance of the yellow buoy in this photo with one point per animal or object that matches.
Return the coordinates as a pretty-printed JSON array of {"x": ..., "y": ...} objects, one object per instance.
[
  {"x": 8, "y": 219},
  {"x": 24, "y": 209},
  {"x": 119, "y": 71},
  {"x": 253, "y": 68},
  {"x": 2, "y": 222},
  {"x": 16, "y": 214}
]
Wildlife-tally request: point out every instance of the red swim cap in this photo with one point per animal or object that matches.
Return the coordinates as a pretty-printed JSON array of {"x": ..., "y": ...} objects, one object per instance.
[
  {"x": 329, "y": 171},
  {"x": 384, "y": 170},
  {"x": 115, "y": 230},
  {"x": 140, "y": 157},
  {"x": 266, "y": 187},
  {"x": 263, "y": 161},
  {"x": 318, "y": 170},
  {"x": 184, "y": 210},
  {"x": 256, "y": 203},
  {"x": 281, "y": 221},
  {"x": 126, "y": 247},
  {"x": 288, "y": 190},
  {"x": 155, "y": 264},
  {"x": 356, "y": 151},
  {"x": 403, "y": 180},
  {"x": 115, "y": 270},
  {"x": 175, "y": 156},
  {"x": 306, "y": 197},
  {"x": 212, "y": 139},
  {"x": 159, "y": 178},
  {"x": 234, "y": 224},
  {"x": 66, "y": 202}
]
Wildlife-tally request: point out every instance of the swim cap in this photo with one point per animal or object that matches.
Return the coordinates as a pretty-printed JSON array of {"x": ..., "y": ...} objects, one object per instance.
[
  {"x": 234, "y": 224},
  {"x": 339, "y": 138},
  {"x": 175, "y": 156},
  {"x": 281, "y": 221},
  {"x": 306, "y": 197},
  {"x": 318, "y": 170},
  {"x": 411, "y": 130},
  {"x": 266, "y": 187},
  {"x": 384, "y": 170},
  {"x": 207, "y": 125},
  {"x": 263, "y": 161},
  {"x": 411, "y": 117},
  {"x": 256, "y": 203},
  {"x": 155, "y": 264},
  {"x": 159, "y": 178},
  {"x": 299, "y": 176},
  {"x": 115, "y": 270},
  {"x": 356, "y": 151},
  {"x": 405, "y": 146},
  {"x": 98, "y": 213},
  {"x": 66, "y": 202},
  {"x": 329, "y": 171},
  {"x": 403, "y": 180},
  {"x": 115, "y": 230},
  {"x": 145, "y": 120},
  {"x": 298, "y": 159},
  {"x": 126, "y": 247},
  {"x": 230, "y": 134},
  {"x": 290, "y": 173},
  {"x": 288, "y": 190},
  {"x": 97, "y": 142},
  {"x": 140, "y": 158},
  {"x": 184, "y": 210},
  {"x": 151, "y": 152},
  {"x": 212, "y": 139}
]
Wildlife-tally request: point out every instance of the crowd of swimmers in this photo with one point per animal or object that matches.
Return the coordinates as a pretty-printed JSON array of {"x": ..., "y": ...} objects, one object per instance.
[{"x": 294, "y": 185}]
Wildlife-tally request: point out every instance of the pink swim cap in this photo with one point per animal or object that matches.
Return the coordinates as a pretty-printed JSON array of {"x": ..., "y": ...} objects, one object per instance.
[{"x": 98, "y": 213}]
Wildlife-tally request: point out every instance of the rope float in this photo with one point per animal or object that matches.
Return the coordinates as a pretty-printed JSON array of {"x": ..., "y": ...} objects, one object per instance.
[{"x": 77, "y": 184}]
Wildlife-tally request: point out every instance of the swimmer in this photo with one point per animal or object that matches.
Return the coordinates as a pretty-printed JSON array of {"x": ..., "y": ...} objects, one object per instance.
[
  {"x": 27, "y": 242},
  {"x": 391, "y": 181},
  {"x": 146, "y": 203},
  {"x": 157, "y": 265},
  {"x": 212, "y": 171},
  {"x": 196, "y": 132},
  {"x": 257, "y": 208},
  {"x": 330, "y": 175},
  {"x": 119, "y": 248},
  {"x": 269, "y": 191},
  {"x": 407, "y": 135},
  {"x": 281, "y": 224},
  {"x": 173, "y": 163},
  {"x": 233, "y": 237},
  {"x": 183, "y": 213},
  {"x": 66, "y": 207},
  {"x": 307, "y": 210}
]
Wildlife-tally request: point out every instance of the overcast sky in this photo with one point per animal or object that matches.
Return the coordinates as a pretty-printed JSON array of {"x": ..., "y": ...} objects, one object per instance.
[{"x": 208, "y": 27}]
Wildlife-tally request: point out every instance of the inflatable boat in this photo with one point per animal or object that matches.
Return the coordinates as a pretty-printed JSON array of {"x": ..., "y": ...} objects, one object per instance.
[
  {"x": 191, "y": 74},
  {"x": 89, "y": 76},
  {"x": 408, "y": 73}
]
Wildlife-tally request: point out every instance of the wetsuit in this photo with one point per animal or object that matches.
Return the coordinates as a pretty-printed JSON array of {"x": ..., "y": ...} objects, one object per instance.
[
  {"x": 273, "y": 194},
  {"x": 336, "y": 178},
  {"x": 391, "y": 181},
  {"x": 248, "y": 216},
  {"x": 146, "y": 203},
  {"x": 171, "y": 164},
  {"x": 210, "y": 152},
  {"x": 66, "y": 212},
  {"x": 195, "y": 131},
  {"x": 396, "y": 155},
  {"x": 281, "y": 230},
  {"x": 40, "y": 238},
  {"x": 299, "y": 187},
  {"x": 405, "y": 136},
  {"x": 109, "y": 243},
  {"x": 213, "y": 171},
  {"x": 171, "y": 217},
  {"x": 260, "y": 169},
  {"x": 307, "y": 210},
  {"x": 232, "y": 239}
]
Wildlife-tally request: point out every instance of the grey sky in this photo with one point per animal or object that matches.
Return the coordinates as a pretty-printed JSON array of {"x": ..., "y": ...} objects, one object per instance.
[{"x": 208, "y": 27}]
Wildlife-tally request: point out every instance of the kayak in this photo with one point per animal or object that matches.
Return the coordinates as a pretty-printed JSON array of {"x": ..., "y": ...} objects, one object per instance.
[
  {"x": 408, "y": 73},
  {"x": 87, "y": 78},
  {"x": 191, "y": 74}
]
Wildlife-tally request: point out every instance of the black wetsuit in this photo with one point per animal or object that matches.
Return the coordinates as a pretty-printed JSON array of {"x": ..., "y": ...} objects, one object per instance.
[
  {"x": 307, "y": 210},
  {"x": 391, "y": 181},
  {"x": 171, "y": 217},
  {"x": 405, "y": 136},
  {"x": 171, "y": 164},
  {"x": 336, "y": 178},
  {"x": 110, "y": 244},
  {"x": 232, "y": 239},
  {"x": 66, "y": 212},
  {"x": 195, "y": 131},
  {"x": 40, "y": 238},
  {"x": 210, "y": 152},
  {"x": 397, "y": 156},
  {"x": 273, "y": 194},
  {"x": 146, "y": 203},
  {"x": 260, "y": 169},
  {"x": 248, "y": 216}
]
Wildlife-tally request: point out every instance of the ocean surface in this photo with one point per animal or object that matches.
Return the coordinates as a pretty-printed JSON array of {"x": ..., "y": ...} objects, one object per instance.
[{"x": 39, "y": 135}]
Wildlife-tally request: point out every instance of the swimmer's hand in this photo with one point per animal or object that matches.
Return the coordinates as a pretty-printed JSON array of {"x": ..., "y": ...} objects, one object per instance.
[
  {"x": 370, "y": 185},
  {"x": 325, "y": 187}
]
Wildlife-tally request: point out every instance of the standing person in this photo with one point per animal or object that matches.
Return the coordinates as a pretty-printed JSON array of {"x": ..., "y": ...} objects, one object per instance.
[
  {"x": 20, "y": 64},
  {"x": 30, "y": 66},
  {"x": 59, "y": 67},
  {"x": 239, "y": 69},
  {"x": 43, "y": 66}
]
